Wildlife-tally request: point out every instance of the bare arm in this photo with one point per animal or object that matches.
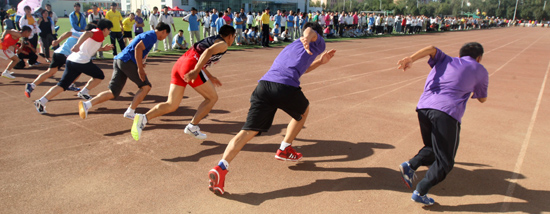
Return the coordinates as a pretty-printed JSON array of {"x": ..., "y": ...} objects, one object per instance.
[
  {"x": 138, "y": 54},
  {"x": 482, "y": 100},
  {"x": 61, "y": 38},
  {"x": 406, "y": 62},
  {"x": 325, "y": 58},
  {"x": 83, "y": 37},
  {"x": 218, "y": 47},
  {"x": 309, "y": 36}
]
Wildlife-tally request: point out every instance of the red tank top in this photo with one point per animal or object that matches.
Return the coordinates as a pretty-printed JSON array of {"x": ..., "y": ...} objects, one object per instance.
[{"x": 8, "y": 41}]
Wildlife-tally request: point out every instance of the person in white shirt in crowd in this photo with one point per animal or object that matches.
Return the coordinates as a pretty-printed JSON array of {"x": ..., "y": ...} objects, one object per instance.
[
  {"x": 321, "y": 19},
  {"x": 94, "y": 17},
  {"x": 166, "y": 18},
  {"x": 206, "y": 24},
  {"x": 253, "y": 35},
  {"x": 276, "y": 33},
  {"x": 249, "y": 20},
  {"x": 179, "y": 41},
  {"x": 153, "y": 22},
  {"x": 390, "y": 23},
  {"x": 349, "y": 21},
  {"x": 285, "y": 35},
  {"x": 378, "y": 24},
  {"x": 283, "y": 21},
  {"x": 408, "y": 26}
]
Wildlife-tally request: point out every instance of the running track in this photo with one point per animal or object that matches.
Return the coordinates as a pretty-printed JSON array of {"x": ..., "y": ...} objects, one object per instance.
[{"x": 362, "y": 124}]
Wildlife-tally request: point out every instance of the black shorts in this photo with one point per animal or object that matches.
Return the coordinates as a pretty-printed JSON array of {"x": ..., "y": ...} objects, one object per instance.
[
  {"x": 123, "y": 71},
  {"x": 127, "y": 34},
  {"x": 73, "y": 70},
  {"x": 136, "y": 34},
  {"x": 270, "y": 96},
  {"x": 58, "y": 60}
]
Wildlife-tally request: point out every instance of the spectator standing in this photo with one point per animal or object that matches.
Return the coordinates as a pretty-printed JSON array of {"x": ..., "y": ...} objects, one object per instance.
[
  {"x": 116, "y": 32},
  {"x": 290, "y": 23},
  {"x": 94, "y": 18},
  {"x": 213, "y": 19},
  {"x": 138, "y": 27},
  {"x": 2, "y": 17},
  {"x": 54, "y": 16},
  {"x": 249, "y": 20},
  {"x": 193, "y": 29},
  {"x": 77, "y": 19},
  {"x": 239, "y": 28},
  {"x": 283, "y": 21},
  {"x": 166, "y": 18},
  {"x": 277, "y": 18},
  {"x": 219, "y": 22},
  {"x": 153, "y": 22},
  {"x": 264, "y": 21},
  {"x": 244, "y": 18},
  {"x": 127, "y": 25},
  {"x": 46, "y": 26},
  {"x": 206, "y": 21},
  {"x": 28, "y": 20}
]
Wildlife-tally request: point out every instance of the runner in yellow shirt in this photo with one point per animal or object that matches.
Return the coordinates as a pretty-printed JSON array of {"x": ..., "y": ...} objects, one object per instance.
[{"x": 127, "y": 26}]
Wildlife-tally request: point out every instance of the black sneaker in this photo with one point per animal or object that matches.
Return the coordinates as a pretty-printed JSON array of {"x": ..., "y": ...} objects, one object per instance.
[{"x": 28, "y": 90}]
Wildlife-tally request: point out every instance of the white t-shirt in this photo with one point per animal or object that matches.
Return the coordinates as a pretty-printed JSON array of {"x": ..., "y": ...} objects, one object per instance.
[
  {"x": 153, "y": 21},
  {"x": 249, "y": 19},
  {"x": 283, "y": 21},
  {"x": 88, "y": 48}
]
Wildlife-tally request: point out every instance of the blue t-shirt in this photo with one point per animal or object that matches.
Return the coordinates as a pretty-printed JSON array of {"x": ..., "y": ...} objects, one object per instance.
[
  {"x": 277, "y": 20},
  {"x": 65, "y": 49},
  {"x": 149, "y": 39},
  {"x": 293, "y": 61},
  {"x": 193, "y": 23},
  {"x": 238, "y": 26},
  {"x": 213, "y": 19},
  {"x": 289, "y": 22},
  {"x": 371, "y": 20},
  {"x": 219, "y": 24}
]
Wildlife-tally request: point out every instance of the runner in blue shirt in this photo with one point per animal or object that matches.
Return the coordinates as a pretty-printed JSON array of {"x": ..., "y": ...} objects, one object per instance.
[{"x": 129, "y": 64}]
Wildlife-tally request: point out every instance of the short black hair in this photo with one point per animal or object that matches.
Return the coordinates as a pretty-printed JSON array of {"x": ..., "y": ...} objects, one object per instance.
[
  {"x": 114, "y": 4},
  {"x": 220, "y": 14},
  {"x": 180, "y": 31},
  {"x": 104, "y": 24},
  {"x": 76, "y": 4},
  {"x": 163, "y": 26},
  {"x": 472, "y": 49},
  {"x": 226, "y": 30},
  {"x": 155, "y": 7},
  {"x": 314, "y": 26},
  {"x": 27, "y": 7},
  {"x": 90, "y": 26},
  {"x": 48, "y": 5},
  {"x": 26, "y": 28}
]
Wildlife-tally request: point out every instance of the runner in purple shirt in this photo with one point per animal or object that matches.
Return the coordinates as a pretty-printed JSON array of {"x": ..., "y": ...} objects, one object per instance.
[
  {"x": 451, "y": 82},
  {"x": 279, "y": 88}
]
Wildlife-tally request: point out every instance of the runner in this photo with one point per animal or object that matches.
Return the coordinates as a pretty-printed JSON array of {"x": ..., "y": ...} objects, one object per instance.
[
  {"x": 279, "y": 88},
  {"x": 80, "y": 62},
  {"x": 129, "y": 64},
  {"x": 191, "y": 69},
  {"x": 449, "y": 85},
  {"x": 59, "y": 58},
  {"x": 8, "y": 45}
]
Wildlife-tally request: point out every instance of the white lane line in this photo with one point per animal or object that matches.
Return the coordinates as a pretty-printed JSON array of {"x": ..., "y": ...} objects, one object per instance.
[
  {"x": 518, "y": 54},
  {"x": 524, "y": 145}
]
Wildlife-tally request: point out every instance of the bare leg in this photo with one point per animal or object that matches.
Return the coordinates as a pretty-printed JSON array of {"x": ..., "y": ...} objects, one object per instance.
[
  {"x": 140, "y": 95},
  {"x": 208, "y": 91},
  {"x": 294, "y": 127},
  {"x": 45, "y": 75},
  {"x": 174, "y": 98},
  {"x": 102, "y": 97},
  {"x": 14, "y": 60},
  {"x": 92, "y": 83},
  {"x": 54, "y": 91},
  {"x": 237, "y": 143}
]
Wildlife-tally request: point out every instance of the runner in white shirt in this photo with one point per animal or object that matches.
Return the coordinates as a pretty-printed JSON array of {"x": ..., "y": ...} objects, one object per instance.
[{"x": 80, "y": 62}]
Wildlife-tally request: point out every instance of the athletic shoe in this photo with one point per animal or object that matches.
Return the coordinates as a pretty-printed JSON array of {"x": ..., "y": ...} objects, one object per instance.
[
  {"x": 427, "y": 201},
  {"x": 139, "y": 123},
  {"x": 35, "y": 64},
  {"x": 39, "y": 107},
  {"x": 129, "y": 115},
  {"x": 289, "y": 154},
  {"x": 194, "y": 131},
  {"x": 7, "y": 75},
  {"x": 84, "y": 96},
  {"x": 73, "y": 87},
  {"x": 407, "y": 174},
  {"x": 28, "y": 90},
  {"x": 217, "y": 180},
  {"x": 82, "y": 110}
]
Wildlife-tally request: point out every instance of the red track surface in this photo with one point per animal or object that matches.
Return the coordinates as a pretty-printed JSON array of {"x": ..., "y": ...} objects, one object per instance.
[{"x": 362, "y": 125}]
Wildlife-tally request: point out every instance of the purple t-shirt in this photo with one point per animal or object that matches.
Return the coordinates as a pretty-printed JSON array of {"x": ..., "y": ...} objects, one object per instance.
[
  {"x": 293, "y": 61},
  {"x": 450, "y": 83},
  {"x": 139, "y": 20}
]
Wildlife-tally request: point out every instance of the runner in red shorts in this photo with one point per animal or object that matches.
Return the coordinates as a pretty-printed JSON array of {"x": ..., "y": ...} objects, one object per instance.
[{"x": 190, "y": 69}]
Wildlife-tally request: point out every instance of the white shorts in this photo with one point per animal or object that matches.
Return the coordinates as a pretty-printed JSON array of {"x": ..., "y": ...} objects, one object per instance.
[{"x": 6, "y": 54}]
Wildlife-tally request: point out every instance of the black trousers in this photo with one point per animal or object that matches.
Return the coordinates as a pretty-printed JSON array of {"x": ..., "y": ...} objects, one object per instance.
[
  {"x": 440, "y": 133},
  {"x": 117, "y": 37},
  {"x": 31, "y": 56},
  {"x": 265, "y": 35}
]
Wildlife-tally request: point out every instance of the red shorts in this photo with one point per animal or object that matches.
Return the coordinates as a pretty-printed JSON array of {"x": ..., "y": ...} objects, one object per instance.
[{"x": 184, "y": 65}]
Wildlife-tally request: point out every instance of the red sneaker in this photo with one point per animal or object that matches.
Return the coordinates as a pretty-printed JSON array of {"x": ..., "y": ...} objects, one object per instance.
[
  {"x": 289, "y": 154},
  {"x": 217, "y": 179}
]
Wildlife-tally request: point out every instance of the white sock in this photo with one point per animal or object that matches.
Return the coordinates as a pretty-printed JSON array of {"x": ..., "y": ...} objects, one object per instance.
[
  {"x": 33, "y": 85},
  {"x": 43, "y": 100},
  {"x": 88, "y": 104},
  {"x": 190, "y": 125},
  {"x": 130, "y": 110},
  {"x": 284, "y": 145},
  {"x": 6, "y": 71},
  {"x": 84, "y": 91}
]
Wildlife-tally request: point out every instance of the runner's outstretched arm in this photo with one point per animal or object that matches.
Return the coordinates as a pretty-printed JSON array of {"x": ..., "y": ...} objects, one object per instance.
[{"x": 406, "y": 62}]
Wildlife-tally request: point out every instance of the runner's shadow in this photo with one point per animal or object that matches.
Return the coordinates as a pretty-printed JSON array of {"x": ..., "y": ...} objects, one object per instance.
[
  {"x": 375, "y": 179},
  {"x": 488, "y": 182}
]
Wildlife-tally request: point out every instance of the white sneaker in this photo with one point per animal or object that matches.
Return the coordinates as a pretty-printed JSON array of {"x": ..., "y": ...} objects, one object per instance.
[
  {"x": 84, "y": 96},
  {"x": 7, "y": 75},
  {"x": 139, "y": 123},
  {"x": 194, "y": 131},
  {"x": 129, "y": 115}
]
